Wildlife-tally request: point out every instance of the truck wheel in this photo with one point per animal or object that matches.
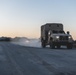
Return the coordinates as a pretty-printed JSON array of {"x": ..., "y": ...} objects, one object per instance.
[
  {"x": 69, "y": 46},
  {"x": 58, "y": 46},
  {"x": 43, "y": 44},
  {"x": 52, "y": 46}
]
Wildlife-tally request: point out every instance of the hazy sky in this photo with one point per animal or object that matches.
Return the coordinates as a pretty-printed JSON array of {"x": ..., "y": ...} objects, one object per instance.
[{"x": 24, "y": 17}]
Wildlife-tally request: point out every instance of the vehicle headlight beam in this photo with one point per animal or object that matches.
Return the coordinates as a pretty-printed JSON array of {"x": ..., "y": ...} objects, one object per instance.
[{"x": 57, "y": 37}]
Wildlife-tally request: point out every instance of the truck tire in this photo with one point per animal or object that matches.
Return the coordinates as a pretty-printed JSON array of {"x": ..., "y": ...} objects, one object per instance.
[
  {"x": 69, "y": 46},
  {"x": 43, "y": 44},
  {"x": 58, "y": 46},
  {"x": 52, "y": 46}
]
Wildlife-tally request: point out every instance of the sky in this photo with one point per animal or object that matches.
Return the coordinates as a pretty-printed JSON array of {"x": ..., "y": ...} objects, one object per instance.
[{"x": 23, "y": 18}]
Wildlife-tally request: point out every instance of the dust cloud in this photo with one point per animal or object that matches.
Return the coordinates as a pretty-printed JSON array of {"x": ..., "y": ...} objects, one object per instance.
[{"x": 27, "y": 42}]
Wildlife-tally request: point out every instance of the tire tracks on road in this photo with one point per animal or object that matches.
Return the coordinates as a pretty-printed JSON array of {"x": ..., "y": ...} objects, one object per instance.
[{"x": 8, "y": 54}]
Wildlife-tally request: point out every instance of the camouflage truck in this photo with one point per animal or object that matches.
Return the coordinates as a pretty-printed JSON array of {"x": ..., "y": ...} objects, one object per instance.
[{"x": 53, "y": 34}]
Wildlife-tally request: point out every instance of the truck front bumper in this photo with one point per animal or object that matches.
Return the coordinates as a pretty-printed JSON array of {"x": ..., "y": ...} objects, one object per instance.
[{"x": 62, "y": 42}]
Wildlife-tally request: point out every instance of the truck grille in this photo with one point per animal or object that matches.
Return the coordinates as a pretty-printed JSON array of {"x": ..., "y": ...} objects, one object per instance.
[{"x": 63, "y": 37}]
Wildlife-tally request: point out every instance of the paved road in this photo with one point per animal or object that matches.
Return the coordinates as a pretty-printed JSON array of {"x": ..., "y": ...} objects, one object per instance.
[{"x": 20, "y": 60}]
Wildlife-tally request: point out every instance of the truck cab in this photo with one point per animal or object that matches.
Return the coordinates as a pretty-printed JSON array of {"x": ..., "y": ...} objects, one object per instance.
[{"x": 53, "y": 34}]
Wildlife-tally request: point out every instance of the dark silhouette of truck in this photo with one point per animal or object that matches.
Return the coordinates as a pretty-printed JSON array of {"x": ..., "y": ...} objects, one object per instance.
[{"x": 53, "y": 34}]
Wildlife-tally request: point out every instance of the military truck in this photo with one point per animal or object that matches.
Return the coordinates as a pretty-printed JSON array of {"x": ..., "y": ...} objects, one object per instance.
[{"x": 52, "y": 34}]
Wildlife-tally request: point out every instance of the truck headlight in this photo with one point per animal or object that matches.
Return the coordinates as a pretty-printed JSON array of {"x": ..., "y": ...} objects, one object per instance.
[
  {"x": 69, "y": 37},
  {"x": 57, "y": 37}
]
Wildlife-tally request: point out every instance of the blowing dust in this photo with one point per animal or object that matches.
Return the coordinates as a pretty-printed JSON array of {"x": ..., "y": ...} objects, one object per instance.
[{"x": 27, "y": 42}]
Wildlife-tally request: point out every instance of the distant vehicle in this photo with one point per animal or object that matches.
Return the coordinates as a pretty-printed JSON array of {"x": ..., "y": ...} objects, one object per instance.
[
  {"x": 5, "y": 39},
  {"x": 53, "y": 34}
]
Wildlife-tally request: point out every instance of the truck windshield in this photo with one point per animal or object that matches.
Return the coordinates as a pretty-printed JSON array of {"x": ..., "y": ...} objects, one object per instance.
[
  {"x": 61, "y": 32},
  {"x": 55, "y": 32}
]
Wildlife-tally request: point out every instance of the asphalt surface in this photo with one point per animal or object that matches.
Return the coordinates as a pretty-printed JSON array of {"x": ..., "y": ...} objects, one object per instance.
[{"x": 20, "y": 60}]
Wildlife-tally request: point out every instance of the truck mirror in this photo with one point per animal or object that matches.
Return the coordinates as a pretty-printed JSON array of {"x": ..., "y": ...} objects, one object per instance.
[{"x": 68, "y": 32}]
